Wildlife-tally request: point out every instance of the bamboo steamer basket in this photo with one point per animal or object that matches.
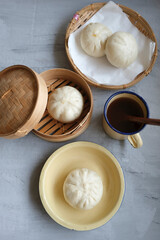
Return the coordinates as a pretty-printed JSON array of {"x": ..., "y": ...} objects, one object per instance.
[
  {"x": 21, "y": 105},
  {"x": 23, "y": 100},
  {"x": 52, "y": 130},
  {"x": 136, "y": 19}
]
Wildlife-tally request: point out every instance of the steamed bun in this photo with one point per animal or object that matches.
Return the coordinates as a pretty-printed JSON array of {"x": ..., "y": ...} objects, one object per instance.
[
  {"x": 83, "y": 188},
  {"x": 121, "y": 49},
  {"x": 93, "y": 39},
  {"x": 65, "y": 104}
]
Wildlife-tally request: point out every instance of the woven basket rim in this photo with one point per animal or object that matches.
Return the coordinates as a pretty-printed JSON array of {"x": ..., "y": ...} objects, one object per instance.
[
  {"x": 18, "y": 66},
  {"x": 139, "y": 77}
]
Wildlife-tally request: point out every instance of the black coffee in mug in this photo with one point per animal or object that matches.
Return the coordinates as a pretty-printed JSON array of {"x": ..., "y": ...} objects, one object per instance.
[{"x": 118, "y": 109}]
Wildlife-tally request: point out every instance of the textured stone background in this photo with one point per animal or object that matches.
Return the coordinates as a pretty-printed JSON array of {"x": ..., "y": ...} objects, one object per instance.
[{"x": 32, "y": 33}]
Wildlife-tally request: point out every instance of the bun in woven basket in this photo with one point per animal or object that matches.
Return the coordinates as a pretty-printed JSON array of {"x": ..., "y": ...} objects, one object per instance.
[{"x": 83, "y": 15}]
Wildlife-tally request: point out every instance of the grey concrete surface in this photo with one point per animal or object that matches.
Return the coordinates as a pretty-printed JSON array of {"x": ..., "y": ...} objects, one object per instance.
[{"x": 32, "y": 33}]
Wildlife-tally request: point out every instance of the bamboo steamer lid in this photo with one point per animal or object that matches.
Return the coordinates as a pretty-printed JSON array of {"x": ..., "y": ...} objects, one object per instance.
[{"x": 23, "y": 99}]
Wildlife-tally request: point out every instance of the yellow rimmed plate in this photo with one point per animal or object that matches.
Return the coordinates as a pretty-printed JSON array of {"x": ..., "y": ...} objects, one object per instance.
[{"x": 80, "y": 155}]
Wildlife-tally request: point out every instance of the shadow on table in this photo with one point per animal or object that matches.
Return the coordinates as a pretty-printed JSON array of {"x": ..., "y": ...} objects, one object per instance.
[
  {"x": 60, "y": 56},
  {"x": 34, "y": 186},
  {"x": 34, "y": 194},
  {"x": 102, "y": 137},
  {"x": 36, "y": 201}
]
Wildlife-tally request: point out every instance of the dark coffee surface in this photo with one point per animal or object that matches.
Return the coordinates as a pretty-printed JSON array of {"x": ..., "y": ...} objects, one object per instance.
[{"x": 117, "y": 111}]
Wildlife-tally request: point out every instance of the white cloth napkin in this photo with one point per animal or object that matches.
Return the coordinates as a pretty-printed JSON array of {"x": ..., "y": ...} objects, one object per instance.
[{"x": 99, "y": 69}]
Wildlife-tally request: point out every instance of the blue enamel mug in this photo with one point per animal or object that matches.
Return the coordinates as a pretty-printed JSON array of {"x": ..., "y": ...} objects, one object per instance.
[{"x": 133, "y": 137}]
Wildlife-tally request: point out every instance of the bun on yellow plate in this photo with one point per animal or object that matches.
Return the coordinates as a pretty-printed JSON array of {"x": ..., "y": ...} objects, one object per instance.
[{"x": 83, "y": 188}]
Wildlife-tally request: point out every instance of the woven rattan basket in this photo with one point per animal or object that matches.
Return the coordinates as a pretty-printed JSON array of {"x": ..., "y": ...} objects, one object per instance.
[
  {"x": 21, "y": 104},
  {"x": 49, "y": 128},
  {"x": 136, "y": 19}
]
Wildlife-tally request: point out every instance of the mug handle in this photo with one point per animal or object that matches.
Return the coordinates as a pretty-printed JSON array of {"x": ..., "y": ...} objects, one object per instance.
[{"x": 135, "y": 140}]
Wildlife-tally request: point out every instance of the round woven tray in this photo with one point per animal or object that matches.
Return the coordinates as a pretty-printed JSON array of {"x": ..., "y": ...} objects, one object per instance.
[
  {"x": 136, "y": 19},
  {"x": 52, "y": 130},
  {"x": 21, "y": 105}
]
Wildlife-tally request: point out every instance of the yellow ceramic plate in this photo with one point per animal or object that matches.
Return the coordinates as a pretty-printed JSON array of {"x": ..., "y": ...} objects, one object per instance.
[{"x": 80, "y": 155}]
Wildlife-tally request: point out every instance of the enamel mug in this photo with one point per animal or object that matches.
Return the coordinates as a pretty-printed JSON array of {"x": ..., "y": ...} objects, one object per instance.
[{"x": 133, "y": 137}]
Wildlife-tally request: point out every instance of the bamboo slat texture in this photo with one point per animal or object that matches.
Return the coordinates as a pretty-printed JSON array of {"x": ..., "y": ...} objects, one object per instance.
[
  {"x": 53, "y": 130},
  {"x": 21, "y": 104}
]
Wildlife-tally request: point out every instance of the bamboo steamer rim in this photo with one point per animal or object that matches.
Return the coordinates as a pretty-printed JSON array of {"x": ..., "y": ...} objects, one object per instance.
[
  {"x": 25, "y": 127},
  {"x": 66, "y": 137},
  {"x": 136, "y": 19},
  {"x": 51, "y": 76}
]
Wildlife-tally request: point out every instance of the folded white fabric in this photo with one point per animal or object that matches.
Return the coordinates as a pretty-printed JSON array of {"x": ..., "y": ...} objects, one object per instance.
[{"x": 99, "y": 69}]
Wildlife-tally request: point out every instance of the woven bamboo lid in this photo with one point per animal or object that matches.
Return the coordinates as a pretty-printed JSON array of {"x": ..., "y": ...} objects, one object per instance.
[
  {"x": 83, "y": 15},
  {"x": 52, "y": 130},
  {"x": 23, "y": 99}
]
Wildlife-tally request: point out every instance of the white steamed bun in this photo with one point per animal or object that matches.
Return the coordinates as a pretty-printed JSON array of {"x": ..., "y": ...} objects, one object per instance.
[
  {"x": 83, "y": 188},
  {"x": 121, "y": 49},
  {"x": 93, "y": 39},
  {"x": 65, "y": 104}
]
